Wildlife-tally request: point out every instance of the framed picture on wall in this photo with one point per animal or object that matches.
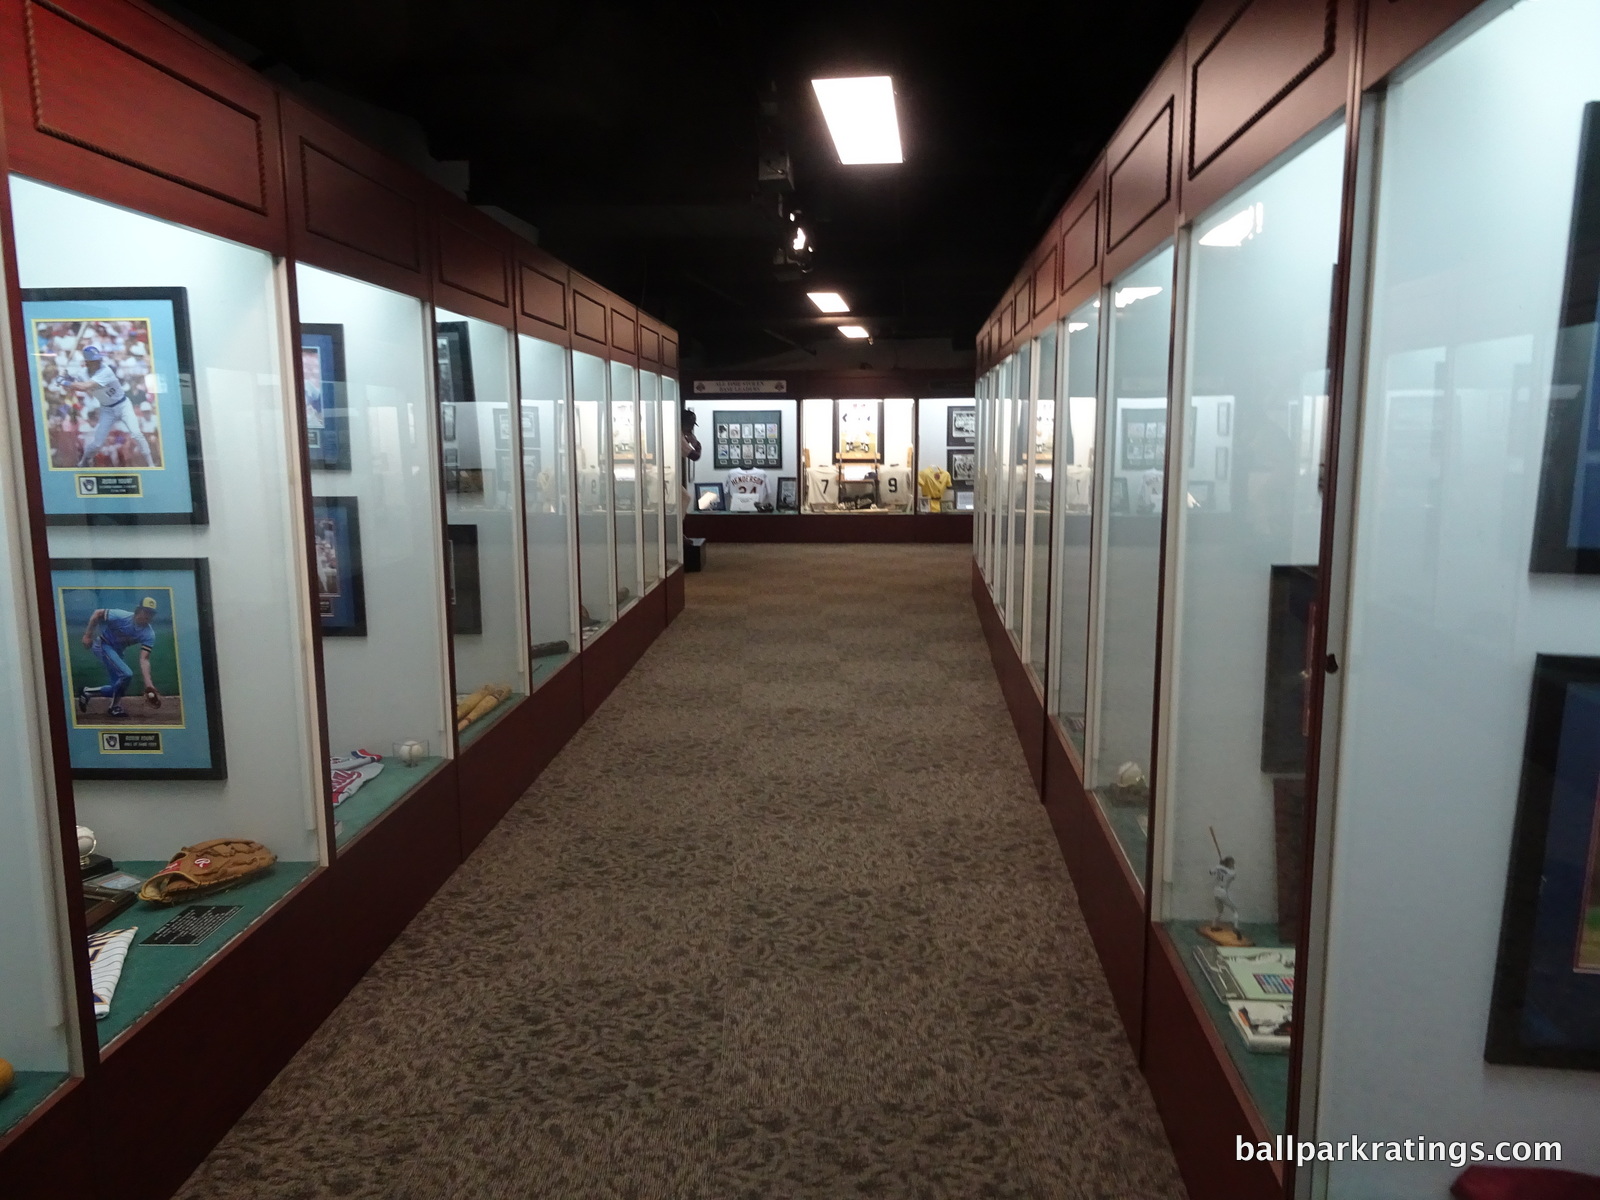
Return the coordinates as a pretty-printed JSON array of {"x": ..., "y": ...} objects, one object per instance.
[
  {"x": 113, "y": 391},
  {"x": 963, "y": 467},
  {"x": 447, "y": 422},
  {"x": 747, "y": 439},
  {"x": 139, "y": 667},
  {"x": 788, "y": 493},
  {"x": 341, "y": 601},
  {"x": 454, "y": 356},
  {"x": 530, "y": 428},
  {"x": 461, "y": 580},
  {"x": 1142, "y": 438},
  {"x": 1545, "y": 1009},
  {"x": 327, "y": 412},
  {"x": 708, "y": 497},
  {"x": 961, "y": 424},
  {"x": 1286, "y": 701}
]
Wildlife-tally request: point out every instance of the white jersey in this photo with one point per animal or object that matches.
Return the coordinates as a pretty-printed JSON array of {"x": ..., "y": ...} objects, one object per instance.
[
  {"x": 745, "y": 481},
  {"x": 894, "y": 487},
  {"x": 822, "y": 487},
  {"x": 105, "y": 387}
]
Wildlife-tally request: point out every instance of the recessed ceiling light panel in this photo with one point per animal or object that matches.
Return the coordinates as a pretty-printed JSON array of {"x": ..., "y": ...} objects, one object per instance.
[
  {"x": 829, "y": 302},
  {"x": 861, "y": 117},
  {"x": 854, "y": 331}
]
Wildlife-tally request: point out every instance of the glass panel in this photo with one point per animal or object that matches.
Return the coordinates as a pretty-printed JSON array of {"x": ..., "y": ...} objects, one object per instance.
[
  {"x": 597, "y": 586},
  {"x": 1019, "y": 461},
  {"x": 625, "y": 482},
  {"x": 748, "y": 451},
  {"x": 1135, "y": 435},
  {"x": 1044, "y": 447},
  {"x": 947, "y": 448},
  {"x": 1480, "y": 400},
  {"x": 1248, "y": 532},
  {"x": 1075, "y": 520},
  {"x": 672, "y": 461},
  {"x": 547, "y": 513},
  {"x": 483, "y": 564},
  {"x": 650, "y": 474},
  {"x": 379, "y": 552},
  {"x": 165, "y": 432}
]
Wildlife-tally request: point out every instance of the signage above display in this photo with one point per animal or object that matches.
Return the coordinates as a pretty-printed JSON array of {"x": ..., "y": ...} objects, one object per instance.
[{"x": 740, "y": 387}]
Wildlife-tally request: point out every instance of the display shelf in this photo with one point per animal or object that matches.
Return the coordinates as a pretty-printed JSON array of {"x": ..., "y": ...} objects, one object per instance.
[
  {"x": 543, "y": 669},
  {"x": 30, "y": 1090},
  {"x": 152, "y": 973},
  {"x": 378, "y": 797},
  {"x": 1130, "y": 824},
  {"x": 477, "y": 729},
  {"x": 1266, "y": 1076}
]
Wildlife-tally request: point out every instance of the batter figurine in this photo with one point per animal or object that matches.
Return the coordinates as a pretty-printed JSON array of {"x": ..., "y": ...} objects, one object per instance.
[
  {"x": 111, "y": 632},
  {"x": 1224, "y": 930},
  {"x": 115, "y": 406}
]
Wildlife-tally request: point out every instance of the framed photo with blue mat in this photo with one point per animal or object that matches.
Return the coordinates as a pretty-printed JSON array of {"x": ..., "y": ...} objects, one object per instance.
[
  {"x": 118, "y": 426},
  {"x": 454, "y": 354},
  {"x": 1545, "y": 1010},
  {"x": 327, "y": 412},
  {"x": 341, "y": 600},
  {"x": 138, "y": 663}
]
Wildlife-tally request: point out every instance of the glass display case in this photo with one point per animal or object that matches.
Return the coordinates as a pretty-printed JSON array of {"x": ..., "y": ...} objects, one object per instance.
[
  {"x": 179, "y": 579},
  {"x": 1075, "y": 507},
  {"x": 549, "y": 523},
  {"x": 625, "y": 484},
  {"x": 482, "y": 432},
  {"x": 1128, "y": 550},
  {"x": 673, "y": 473},
  {"x": 857, "y": 455},
  {"x": 597, "y": 559},
  {"x": 1246, "y": 526},
  {"x": 947, "y": 453},
  {"x": 1019, "y": 472},
  {"x": 366, "y": 356},
  {"x": 749, "y": 462},
  {"x": 1040, "y": 489},
  {"x": 650, "y": 523}
]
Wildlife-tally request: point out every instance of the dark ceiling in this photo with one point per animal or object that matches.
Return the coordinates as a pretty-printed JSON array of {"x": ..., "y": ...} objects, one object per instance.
[{"x": 629, "y": 135}]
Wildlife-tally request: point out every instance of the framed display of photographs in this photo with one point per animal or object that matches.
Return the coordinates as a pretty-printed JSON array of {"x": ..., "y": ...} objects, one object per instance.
[
  {"x": 858, "y": 430},
  {"x": 447, "y": 422},
  {"x": 708, "y": 497},
  {"x": 961, "y": 424},
  {"x": 138, "y": 662},
  {"x": 963, "y": 467},
  {"x": 341, "y": 601},
  {"x": 747, "y": 439},
  {"x": 502, "y": 428},
  {"x": 788, "y": 493},
  {"x": 1142, "y": 438},
  {"x": 454, "y": 354},
  {"x": 1545, "y": 1009},
  {"x": 112, "y": 383},
  {"x": 530, "y": 429},
  {"x": 461, "y": 578},
  {"x": 1566, "y": 528},
  {"x": 1286, "y": 701},
  {"x": 327, "y": 415}
]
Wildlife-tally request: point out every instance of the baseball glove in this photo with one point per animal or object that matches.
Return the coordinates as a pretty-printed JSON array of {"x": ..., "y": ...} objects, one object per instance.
[
  {"x": 153, "y": 696},
  {"x": 207, "y": 867}
]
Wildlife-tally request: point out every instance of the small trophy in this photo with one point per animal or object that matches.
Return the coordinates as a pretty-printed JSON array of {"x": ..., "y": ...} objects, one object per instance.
[
  {"x": 1224, "y": 930},
  {"x": 90, "y": 864}
]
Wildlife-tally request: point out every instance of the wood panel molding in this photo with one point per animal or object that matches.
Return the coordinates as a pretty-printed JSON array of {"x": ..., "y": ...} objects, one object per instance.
[
  {"x": 350, "y": 208},
  {"x": 1022, "y": 308},
  {"x": 1080, "y": 244},
  {"x": 649, "y": 343},
  {"x": 1140, "y": 184},
  {"x": 624, "y": 332},
  {"x": 1262, "y": 52},
  {"x": 140, "y": 112},
  {"x": 543, "y": 296},
  {"x": 588, "y": 317},
  {"x": 669, "y": 352},
  {"x": 1044, "y": 281},
  {"x": 472, "y": 264}
]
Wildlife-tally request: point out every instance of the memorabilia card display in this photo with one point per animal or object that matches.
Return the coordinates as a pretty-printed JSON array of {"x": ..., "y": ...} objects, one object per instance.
[
  {"x": 788, "y": 493},
  {"x": 138, "y": 663},
  {"x": 1566, "y": 531},
  {"x": 747, "y": 439},
  {"x": 341, "y": 602},
  {"x": 327, "y": 413},
  {"x": 961, "y": 424},
  {"x": 1546, "y": 1005},
  {"x": 1142, "y": 438},
  {"x": 1286, "y": 703},
  {"x": 461, "y": 579},
  {"x": 963, "y": 468},
  {"x": 112, "y": 382},
  {"x": 454, "y": 354}
]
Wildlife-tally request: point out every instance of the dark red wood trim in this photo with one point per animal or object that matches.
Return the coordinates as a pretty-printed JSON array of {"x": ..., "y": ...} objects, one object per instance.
[
  {"x": 1202, "y": 1101},
  {"x": 673, "y": 586},
  {"x": 502, "y": 764},
  {"x": 1080, "y": 249},
  {"x": 1157, "y": 140},
  {"x": 669, "y": 351},
  {"x": 473, "y": 265},
  {"x": 624, "y": 332},
  {"x": 1110, "y": 895},
  {"x": 542, "y": 299},
  {"x": 46, "y": 1156},
  {"x": 608, "y": 658},
  {"x": 1025, "y": 705},
  {"x": 920, "y": 382},
  {"x": 1144, "y": 175},
  {"x": 1397, "y": 29},
  {"x": 823, "y": 527},
  {"x": 1044, "y": 280},
  {"x": 649, "y": 342},
  {"x": 588, "y": 316}
]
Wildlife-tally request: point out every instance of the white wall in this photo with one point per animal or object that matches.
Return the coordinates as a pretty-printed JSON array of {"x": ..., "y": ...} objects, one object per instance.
[
  {"x": 389, "y": 685},
  {"x": 254, "y": 542},
  {"x": 706, "y": 409}
]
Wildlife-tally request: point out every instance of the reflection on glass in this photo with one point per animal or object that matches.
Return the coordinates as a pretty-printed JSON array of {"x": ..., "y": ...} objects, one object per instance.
[
  {"x": 672, "y": 465},
  {"x": 1261, "y": 271},
  {"x": 1135, "y": 441},
  {"x": 548, "y": 519},
  {"x": 597, "y": 586},
  {"x": 625, "y": 482},
  {"x": 1075, "y": 502},
  {"x": 1039, "y": 493},
  {"x": 1019, "y": 465},
  {"x": 650, "y": 474},
  {"x": 483, "y": 578}
]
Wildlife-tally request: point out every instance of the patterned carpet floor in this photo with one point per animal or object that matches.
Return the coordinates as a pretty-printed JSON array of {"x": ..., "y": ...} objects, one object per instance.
[{"x": 785, "y": 919}]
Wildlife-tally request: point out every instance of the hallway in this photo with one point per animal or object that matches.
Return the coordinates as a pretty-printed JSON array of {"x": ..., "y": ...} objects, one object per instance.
[{"x": 785, "y": 919}]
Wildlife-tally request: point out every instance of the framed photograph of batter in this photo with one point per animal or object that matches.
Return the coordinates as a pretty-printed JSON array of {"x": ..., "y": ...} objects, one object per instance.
[
  {"x": 961, "y": 424},
  {"x": 1545, "y": 1009},
  {"x": 112, "y": 381},
  {"x": 341, "y": 601},
  {"x": 138, "y": 662},
  {"x": 461, "y": 580},
  {"x": 455, "y": 362},
  {"x": 788, "y": 494},
  {"x": 327, "y": 411}
]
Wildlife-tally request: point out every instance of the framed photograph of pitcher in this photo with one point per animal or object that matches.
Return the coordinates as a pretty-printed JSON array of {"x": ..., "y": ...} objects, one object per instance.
[{"x": 112, "y": 381}]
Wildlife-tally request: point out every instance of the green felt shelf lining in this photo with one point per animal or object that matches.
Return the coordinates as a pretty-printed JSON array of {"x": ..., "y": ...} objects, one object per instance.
[
  {"x": 31, "y": 1089},
  {"x": 377, "y": 797}
]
